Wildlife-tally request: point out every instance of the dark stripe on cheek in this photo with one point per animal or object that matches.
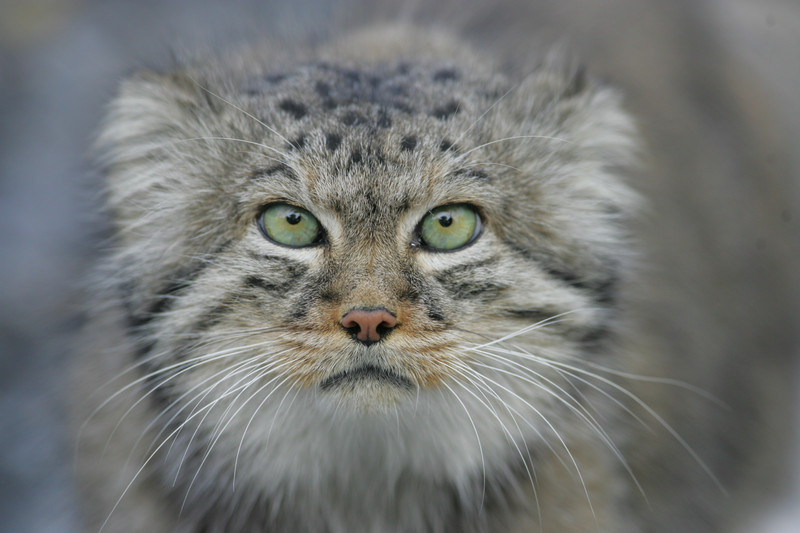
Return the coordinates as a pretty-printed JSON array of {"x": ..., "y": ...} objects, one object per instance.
[
  {"x": 165, "y": 299},
  {"x": 292, "y": 268},
  {"x": 466, "y": 282},
  {"x": 474, "y": 174},
  {"x": 214, "y": 316},
  {"x": 261, "y": 283},
  {"x": 470, "y": 289},
  {"x": 279, "y": 168},
  {"x": 533, "y": 315},
  {"x": 603, "y": 291},
  {"x": 436, "y": 314},
  {"x": 596, "y": 337}
]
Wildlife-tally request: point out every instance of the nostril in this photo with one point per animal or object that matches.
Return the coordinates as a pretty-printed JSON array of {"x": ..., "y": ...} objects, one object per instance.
[
  {"x": 351, "y": 325},
  {"x": 369, "y": 325}
]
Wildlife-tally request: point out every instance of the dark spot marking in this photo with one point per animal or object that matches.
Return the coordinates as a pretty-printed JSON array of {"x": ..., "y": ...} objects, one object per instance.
[
  {"x": 323, "y": 89},
  {"x": 298, "y": 143},
  {"x": 355, "y": 157},
  {"x": 398, "y": 90},
  {"x": 296, "y": 109},
  {"x": 447, "y": 145},
  {"x": 275, "y": 78},
  {"x": 408, "y": 143},
  {"x": 353, "y": 77},
  {"x": 446, "y": 111},
  {"x": 403, "y": 108},
  {"x": 445, "y": 74},
  {"x": 366, "y": 372},
  {"x": 332, "y": 141},
  {"x": 384, "y": 121},
  {"x": 352, "y": 118},
  {"x": 403, "y": 68},
  {"x": 577, "y": 83}
]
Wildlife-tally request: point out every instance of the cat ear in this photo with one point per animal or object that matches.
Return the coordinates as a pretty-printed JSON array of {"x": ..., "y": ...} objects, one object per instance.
[
  {"x": 147, "y": 128},
  {"x": 148, "y": 106}
]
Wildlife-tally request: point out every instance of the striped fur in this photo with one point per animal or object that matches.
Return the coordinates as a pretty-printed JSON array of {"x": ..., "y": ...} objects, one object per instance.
[{"x": 252, "y": 408}]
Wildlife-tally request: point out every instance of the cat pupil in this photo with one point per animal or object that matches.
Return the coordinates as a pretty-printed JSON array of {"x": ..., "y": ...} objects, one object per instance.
[
  {"x": 445, "y": 220},
  {"x": 293, "y": 218}
]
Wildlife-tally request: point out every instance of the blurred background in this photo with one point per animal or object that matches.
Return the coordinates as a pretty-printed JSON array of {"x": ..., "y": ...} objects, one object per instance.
[{"x": 61, "y": 60}]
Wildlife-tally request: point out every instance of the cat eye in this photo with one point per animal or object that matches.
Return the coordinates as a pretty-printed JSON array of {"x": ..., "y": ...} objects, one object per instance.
[
  {"x": 450, "y": 227},
  {"x": 289, "y": 225}
]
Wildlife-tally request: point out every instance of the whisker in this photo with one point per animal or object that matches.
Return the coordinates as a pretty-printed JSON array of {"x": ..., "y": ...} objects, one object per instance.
[
  {"x": 477, "y": 437},
  {"x": 513, "y": 137},
  {"x": 268, "y": 128},
  {"x": 529, "y": 468},
  {"x": 229, "y": 421},
  {"x": 475, "y": 122}
]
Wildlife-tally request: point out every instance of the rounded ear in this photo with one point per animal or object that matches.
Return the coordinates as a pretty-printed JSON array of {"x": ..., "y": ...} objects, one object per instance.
[{"x": 148, "y": 103}]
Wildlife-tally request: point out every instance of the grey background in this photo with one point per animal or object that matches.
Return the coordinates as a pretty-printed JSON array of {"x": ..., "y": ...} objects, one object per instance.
[{"x": 60, "y": 61}]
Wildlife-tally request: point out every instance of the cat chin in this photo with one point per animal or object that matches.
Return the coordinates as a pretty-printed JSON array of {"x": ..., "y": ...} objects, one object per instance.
[
  {"x": 366, "y": 429},
  {"x": 369, "y": 398},
  {"x": 368, "y": 388}
]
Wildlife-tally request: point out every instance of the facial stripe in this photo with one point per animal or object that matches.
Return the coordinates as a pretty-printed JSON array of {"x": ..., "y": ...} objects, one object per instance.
[
  {"x": 602, "y": 291},
  {"x": 465, "y": 282},
  {"x": 283, "y": 169}
]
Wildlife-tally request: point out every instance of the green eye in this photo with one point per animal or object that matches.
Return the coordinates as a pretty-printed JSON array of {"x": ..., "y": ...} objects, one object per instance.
[
  {"x": 450, "y": 227},
  {"x": 289, "y": 225}
]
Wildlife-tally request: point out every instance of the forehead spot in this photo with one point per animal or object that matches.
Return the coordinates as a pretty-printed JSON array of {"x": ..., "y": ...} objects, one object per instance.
[
  {"x": 447, "y": 145},
  {"x": 446, "y": 111},
  {"x": 408, "y": 143},
  {"x": 351, "y": 118},
  {"x": 332, "y": 141},
  {"x": 294, "y": 108},
  {"x": 384, "y": 121},
  {"x": 275, "y": 78},
  {"x": 323, "y": 89},
  {"x": 298, "y": 143},
  {"x": 446, "y": 74}
]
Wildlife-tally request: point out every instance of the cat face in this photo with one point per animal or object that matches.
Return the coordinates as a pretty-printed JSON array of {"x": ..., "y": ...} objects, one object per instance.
[{"x": 365, "y": 236}]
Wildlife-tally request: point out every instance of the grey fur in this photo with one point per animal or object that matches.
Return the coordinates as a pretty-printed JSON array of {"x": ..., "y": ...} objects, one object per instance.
[{"x": 190, "y": 264}]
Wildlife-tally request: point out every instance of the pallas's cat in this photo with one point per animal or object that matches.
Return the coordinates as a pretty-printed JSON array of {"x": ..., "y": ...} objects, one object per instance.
[{"x": 372, "y": 289}]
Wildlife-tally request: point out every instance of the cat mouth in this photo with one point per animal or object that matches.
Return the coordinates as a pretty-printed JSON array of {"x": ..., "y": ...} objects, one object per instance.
[{"x": 366, "y": 373}]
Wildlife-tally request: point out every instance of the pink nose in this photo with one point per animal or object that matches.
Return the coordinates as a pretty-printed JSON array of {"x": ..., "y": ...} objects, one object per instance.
[{"x": 369, "y": 325}]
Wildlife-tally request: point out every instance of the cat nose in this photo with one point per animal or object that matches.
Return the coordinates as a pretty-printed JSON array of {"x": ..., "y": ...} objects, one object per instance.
[{"x": 369, "y": 326}]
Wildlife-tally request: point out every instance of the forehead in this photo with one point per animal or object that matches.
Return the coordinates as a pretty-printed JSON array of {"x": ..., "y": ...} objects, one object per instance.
[
  {"x": 374, "y": 95},
  {"x": 390, "y": 129}
]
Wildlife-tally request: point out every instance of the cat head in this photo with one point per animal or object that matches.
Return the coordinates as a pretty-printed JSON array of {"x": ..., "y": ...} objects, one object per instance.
[{"x": 366, "y": 230}]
